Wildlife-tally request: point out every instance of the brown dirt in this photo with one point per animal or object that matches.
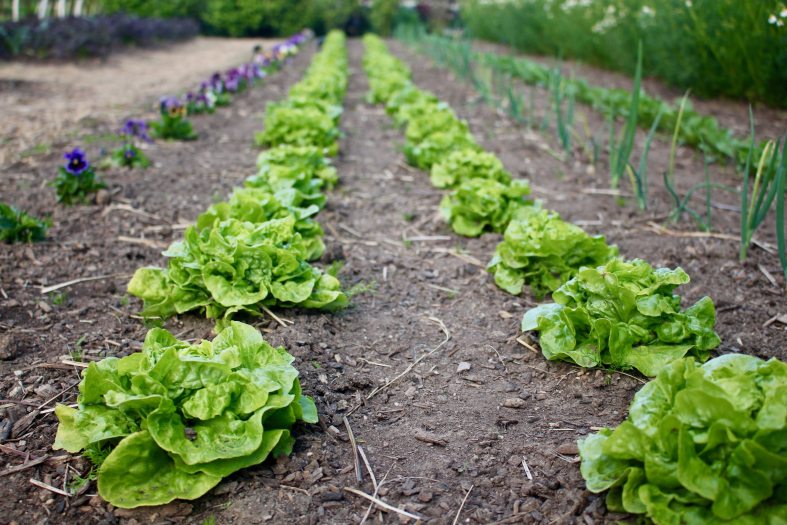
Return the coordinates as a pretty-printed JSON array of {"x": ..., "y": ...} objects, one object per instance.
[{"x": 434, "y": 434}]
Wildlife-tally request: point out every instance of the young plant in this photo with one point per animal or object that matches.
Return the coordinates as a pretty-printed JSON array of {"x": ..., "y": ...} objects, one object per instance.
[
  {"x": 465, "y": 164},
  {"x": 701, "y": 445},
  {"x": 180, "y": 417},
  {"x": 129, "y": 155},
  {"x": 622, "y": 151},
  {"x": 173, "y": 124},
  {"x": 479, "y": 205},
  {"x": 76, "y": 179},
  {"x": 236, "y": 267},
  {"x": 768, "y": 185},
  {"x": 542, "y": 251},
  {"x": 18, "y": 226},
  {"x": 639, "y": 178},
  {"x": 623, "y": 315}
]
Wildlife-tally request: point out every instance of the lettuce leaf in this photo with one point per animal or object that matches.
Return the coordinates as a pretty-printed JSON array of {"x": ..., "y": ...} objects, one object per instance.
[
  {"x": 542, "y": 251},
  {"x": 693, "y": 450},
  {"x": 306, "y": 126},
  {"x": 257, "y": 205},
  {"x": 236, "y": 266},
  {"x": 462, "y": 165},
  {"x": 180, "y": 417},
  {"x": 479, "y": 205},
  {"x": 624, "y": 315}
]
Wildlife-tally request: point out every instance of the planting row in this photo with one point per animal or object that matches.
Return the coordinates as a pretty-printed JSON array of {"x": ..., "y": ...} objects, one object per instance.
[
  {"x": 219, "y": 90},
  {"x": 174, "y": 419},
  {"x": 763, "y": 166},
  {"x": 690, "y": 127},
  {"x": 611, "y": 313},
  {"x": 539, "y": 249}
]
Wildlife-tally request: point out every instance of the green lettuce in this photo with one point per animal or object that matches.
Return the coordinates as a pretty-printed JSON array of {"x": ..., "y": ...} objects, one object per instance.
[
  {"x": 542, "y": 251},
  {"x": 292, "y": 166},
  {"x": 236, "y": 266},
  {"x": 467, "y": 164},
  {"x": 180, "y": 417},
  {"x": 257, "y": 205},
  {"x": 437, "y": 118},
  {"x": 479, "y": 205},
  {"x": 306, "y": 126},
  {"x": 436, "y": 146},
  {"x": 624, "y": 315},
  {"x": 392, "y": 75},
  {"x": 301, "y": 101},
  {"x": 702, "y": 445},
  {"x": 409, "y": 101}
]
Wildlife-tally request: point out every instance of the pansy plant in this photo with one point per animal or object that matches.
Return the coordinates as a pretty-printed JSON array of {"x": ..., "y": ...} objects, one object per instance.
[
  {"x": 173, "y": 123},
  {"x": 129, "y": 155},
  {"x": 76, "y": 179}
]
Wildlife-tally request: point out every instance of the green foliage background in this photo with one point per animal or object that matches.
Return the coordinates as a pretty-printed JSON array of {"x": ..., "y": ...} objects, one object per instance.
[
  {"x": 714, "y": 47},
  {"x": 267, "y": 17}
]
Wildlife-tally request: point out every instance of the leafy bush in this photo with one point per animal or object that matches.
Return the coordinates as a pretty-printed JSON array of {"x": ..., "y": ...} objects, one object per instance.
[
  {"x": 180, "y": 417},
  {"x": 542, "y": 251},
  {"x": 291, "y": 162},
  {"x": 237, "y": 266},
  {"x": 479, "y": 205},
  {"x": 701, "y": 445},
  {"x": 623, "y": 315},
  {"x": 383, "y": 15},
  {"x": 18, "y": 226},
  {"x": 81, "y": 37},
  {"x": 462, "y": 165}
]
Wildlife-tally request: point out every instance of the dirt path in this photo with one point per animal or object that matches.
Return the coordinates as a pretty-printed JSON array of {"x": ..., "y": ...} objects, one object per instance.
[
  {"x": 457, "y": 404},
  {"x": 42, "y": 103}
]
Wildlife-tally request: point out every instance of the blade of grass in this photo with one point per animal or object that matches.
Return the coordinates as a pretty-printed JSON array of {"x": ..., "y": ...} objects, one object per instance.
[
  {"x": 745, "y": 192},
  {"x": 627, "y": 144},
  {"x": 642, "y": 171}
]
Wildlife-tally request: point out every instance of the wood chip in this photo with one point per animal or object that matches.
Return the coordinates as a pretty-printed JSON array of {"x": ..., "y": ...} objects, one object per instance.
[
  {"x": 569, "y": 449},
  {"x": 427, "y": 437},
  {"x": 514, "y": 402}
]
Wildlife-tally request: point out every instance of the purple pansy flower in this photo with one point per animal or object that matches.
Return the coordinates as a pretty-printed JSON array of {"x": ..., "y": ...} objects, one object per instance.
[
  {"x": 172, "y": 107},
  {"x": 136, "y": 128},
  {"x": 76, "y": 162}
]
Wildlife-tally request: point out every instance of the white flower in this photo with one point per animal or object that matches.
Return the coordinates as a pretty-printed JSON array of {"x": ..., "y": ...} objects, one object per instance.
[
  {"x": 648, "y": 11},
  {"x": 783, "y": 13},
  {"x": 773, "y": 20},
  {"x": 688, "y": 4}
]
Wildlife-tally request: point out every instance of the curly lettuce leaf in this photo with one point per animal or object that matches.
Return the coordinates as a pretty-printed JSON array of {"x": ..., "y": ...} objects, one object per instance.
[
  {"x": 479, "y": 205},
  {"x": 691, "y": 451},
  {"x": 624, "y": 315},
  {"x": 542, "y": 251},
  {"x": 181, "y": 416},
  {"x": 462, "y": 165}
]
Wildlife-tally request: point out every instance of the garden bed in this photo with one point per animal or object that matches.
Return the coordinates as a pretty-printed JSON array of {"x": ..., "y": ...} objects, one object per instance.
[{"x": 461, "y": 414}]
